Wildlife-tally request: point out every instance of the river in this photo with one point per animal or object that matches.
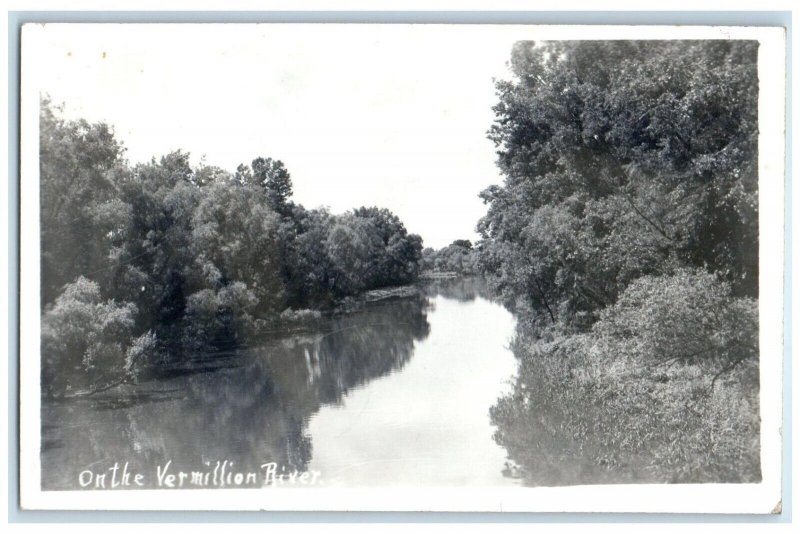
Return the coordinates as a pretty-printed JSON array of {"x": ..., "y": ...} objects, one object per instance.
[{"x": 395, "y": 394}]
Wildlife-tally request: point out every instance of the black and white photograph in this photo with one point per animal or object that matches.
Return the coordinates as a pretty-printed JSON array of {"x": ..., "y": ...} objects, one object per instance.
[{"x": 402, "y": 267}]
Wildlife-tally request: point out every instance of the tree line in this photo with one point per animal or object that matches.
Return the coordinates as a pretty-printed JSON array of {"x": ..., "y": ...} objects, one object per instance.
[
  {"x": 148, "y": 264},
  {"x": 625, "y": 235},
  {"x": 459, "y": 257}
]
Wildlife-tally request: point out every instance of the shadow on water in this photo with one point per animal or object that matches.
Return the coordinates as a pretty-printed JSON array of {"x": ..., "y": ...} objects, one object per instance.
[{"x": 250, "y": 413}]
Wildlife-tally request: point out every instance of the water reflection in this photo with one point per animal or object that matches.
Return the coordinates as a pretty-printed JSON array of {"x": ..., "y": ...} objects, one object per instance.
[
  {"x": 574, "y": 417},
  {"x": 427, "y": 426},
  {"x": 462, "y": 289},
  {"x": 252, "y": 410}
]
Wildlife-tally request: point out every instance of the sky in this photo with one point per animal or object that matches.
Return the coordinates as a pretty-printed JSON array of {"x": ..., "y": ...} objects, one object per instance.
[{"x": 392, "y": 116}]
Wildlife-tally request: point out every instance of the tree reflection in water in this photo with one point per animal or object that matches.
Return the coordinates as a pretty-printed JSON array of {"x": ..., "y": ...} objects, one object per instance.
[
  {"x": 252, "y": 410},
  {"x": 462, "y": 289}
]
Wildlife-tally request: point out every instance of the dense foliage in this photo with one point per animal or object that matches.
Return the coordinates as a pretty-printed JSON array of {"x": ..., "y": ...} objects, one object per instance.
[
  {"x": 153, "y": 263},
  {"x": 625, "y": 234},
  {"x": 459, "y": 257}
]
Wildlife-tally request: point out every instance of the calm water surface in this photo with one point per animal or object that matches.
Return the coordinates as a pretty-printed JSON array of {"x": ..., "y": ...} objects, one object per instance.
[{"x": 396, "y": 394}]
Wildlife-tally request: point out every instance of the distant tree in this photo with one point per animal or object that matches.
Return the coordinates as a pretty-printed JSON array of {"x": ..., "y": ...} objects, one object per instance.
[
  {"x": 458, "y": 257},
  {"x": 276, "y": 181},
  {"x": 428, "y": 261},
  {"x": 244, "y": 175},
  {"x": 209, "y": 174}
]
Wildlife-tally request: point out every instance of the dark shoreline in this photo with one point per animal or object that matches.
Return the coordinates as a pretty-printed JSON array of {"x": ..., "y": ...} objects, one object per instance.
[{"x": 307, "y": 322}]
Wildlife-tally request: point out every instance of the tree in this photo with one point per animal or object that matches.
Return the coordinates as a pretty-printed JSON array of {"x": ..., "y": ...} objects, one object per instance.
[
  {"x": 428, "y": 260},
  {"x": 77, "y": 161},
  {"x": 236, "y": 270},
  {"x": 151, "y": 254},
  {"x": 398, "y": 260},
  {"x": 622, "y": 158},
  {"x": 208, "y": 174},
  {"x": 354, "y": 247},
  {"x": 458, "y": 257},
  {"x": 309, "y": 271},
  {"x": 275, "y": 180}
]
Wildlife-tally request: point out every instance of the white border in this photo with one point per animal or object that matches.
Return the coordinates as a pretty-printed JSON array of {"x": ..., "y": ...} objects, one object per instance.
[{"x": 701, "y": 498}]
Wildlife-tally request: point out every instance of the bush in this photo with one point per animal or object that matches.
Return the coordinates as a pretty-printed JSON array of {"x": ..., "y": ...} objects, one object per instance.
[
  {"x": 85, "y": 339},
  {"x": 220, "y": 318},
  {"x": 689, "y": 317}
]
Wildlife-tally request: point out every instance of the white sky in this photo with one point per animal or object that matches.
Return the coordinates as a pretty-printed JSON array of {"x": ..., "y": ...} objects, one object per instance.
[{"x": 393, "y": 116}]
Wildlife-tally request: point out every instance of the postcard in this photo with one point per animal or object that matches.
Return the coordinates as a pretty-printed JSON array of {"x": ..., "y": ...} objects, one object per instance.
[{"x": 415, "y": 267}]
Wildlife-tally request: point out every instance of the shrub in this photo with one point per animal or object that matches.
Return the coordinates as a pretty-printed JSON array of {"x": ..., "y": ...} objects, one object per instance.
[
  {"x": 85, "y": 339},
  {"x": 220, "y": 318},
  {"x": 689, "y": 317}
]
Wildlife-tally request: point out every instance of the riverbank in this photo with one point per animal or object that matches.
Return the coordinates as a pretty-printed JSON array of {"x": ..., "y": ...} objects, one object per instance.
[
  {"x": 323, "y": 400},
  {"x": 439, "y": 275},
  {"x": 287, "y": 324}
]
